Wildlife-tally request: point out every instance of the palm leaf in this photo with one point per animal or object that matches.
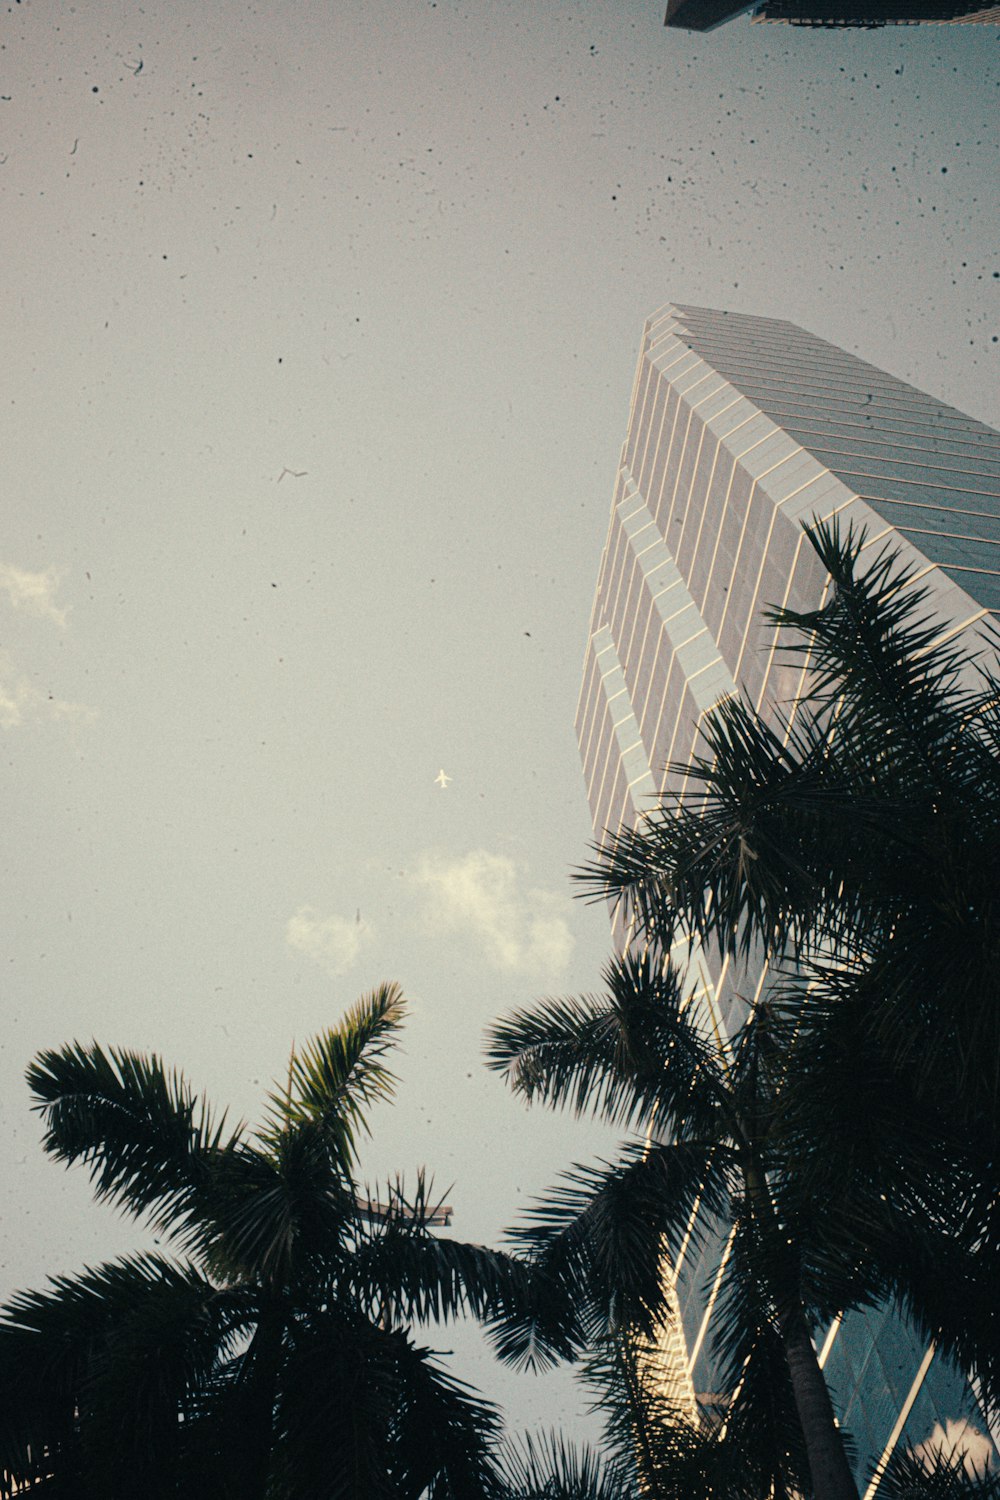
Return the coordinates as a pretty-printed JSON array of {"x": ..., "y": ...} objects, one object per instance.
[
  {"x": 874, "y": 651},
  {"x": 444, "y": 1434},
  {"x": 633, "y": 1056},
  {"x": 337, "y": 1404},
  {"x": 760, "y": 848},
  {"x": 272, "y": 1213},
  {"x": 597, "y": 1238},
  {"x": 145, "y": 1137},
  {"x": 654, "y": 1446},
  {"x": 772, "y": 838},
  {"x": 96, "y": 1372},
  {"x": 547, "y": 1467},
  {"x": 335, "y": 1077},
  {"x": 943, "y": 1476}
]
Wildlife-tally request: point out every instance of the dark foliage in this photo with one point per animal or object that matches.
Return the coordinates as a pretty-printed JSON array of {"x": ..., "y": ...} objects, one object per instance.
[
  {"x": 858, "y": 845},
  {"x": 274, "y": 1359}
]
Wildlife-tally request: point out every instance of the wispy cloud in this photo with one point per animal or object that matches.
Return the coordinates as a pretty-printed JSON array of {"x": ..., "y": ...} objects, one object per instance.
[
  {"x": 21, "y": 700},
  {"x": 480, "y": 896},
  {"x": 35, "y": 593},
  {"x": 333, "y": 942}
]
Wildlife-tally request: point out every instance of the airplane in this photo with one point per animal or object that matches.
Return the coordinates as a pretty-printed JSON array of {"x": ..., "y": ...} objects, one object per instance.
[{"x": 443, "y": 780}]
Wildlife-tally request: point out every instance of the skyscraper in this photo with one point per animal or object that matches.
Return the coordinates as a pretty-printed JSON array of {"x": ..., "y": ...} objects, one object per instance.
[{"x": 741, "y": 429}]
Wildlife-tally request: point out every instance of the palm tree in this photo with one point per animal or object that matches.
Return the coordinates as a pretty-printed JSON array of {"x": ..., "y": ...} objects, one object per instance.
[
  {"x": 274, "y": 1360},
  {"x": 641, "y": 1056},
  {"x": 857, "y": 845}
]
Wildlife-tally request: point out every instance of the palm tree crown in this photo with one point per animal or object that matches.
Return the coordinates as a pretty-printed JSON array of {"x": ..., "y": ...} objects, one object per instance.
[
  {"x": 274, "y": 1358},
  {"x": 857, "y": 845},
  {"x": 701, "y": 1163}
]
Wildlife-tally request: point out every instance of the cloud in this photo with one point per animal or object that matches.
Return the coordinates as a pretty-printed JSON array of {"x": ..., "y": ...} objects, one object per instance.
[
  {"x": 15, "y": 700},
  {"x": 953, "y": 1438},
  {"x": 35, "y": 593},
  {"x": 479, "y": 896},
  {"x": 20, "y": 701},
  {"x": 332, "y": 942}
]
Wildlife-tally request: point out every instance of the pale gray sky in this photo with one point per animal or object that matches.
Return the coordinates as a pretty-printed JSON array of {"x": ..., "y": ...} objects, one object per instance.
[{"x": 405, "y": 253}]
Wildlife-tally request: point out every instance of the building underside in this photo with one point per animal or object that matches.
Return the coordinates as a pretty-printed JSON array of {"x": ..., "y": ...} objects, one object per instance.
[{"x": 705, "y": 15}]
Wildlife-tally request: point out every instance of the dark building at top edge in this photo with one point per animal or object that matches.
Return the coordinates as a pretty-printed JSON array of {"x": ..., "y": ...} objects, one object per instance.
[{"x": 705, "y": 15}]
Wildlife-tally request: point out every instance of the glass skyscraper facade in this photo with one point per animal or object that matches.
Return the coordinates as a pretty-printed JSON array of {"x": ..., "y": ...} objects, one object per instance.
[{"x": 740, "y": 430}]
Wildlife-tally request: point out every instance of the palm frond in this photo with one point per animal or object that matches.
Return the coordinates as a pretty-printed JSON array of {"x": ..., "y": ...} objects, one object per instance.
[
  {"x": 97, "y": 1372},
  {"x": 444, "y": 1434},
  {"x": 743, "y": 856},
  {"x": 340, "y": 1073},
  {"x": 655, "y": 1445},
  {"x": 599, "y": 1234},
  {"x": 545, "y": 1466},
  {"x": 338, "y": 1398},
  {"x": 633, "y": 1056},
  {"x": 874, "y": 651},
  {"x": 549, "y": 1326},
  {"x": 272, "y": 1212},
  {"x": 895, "y": 1194},
  {"x": 771, "y": 840},
  {"x": 945, "y": 1475},
  {"x": 416, "y": 1209},
  {"x": 946, "y": 1286},
  {"x": 147, "y": 1140}
]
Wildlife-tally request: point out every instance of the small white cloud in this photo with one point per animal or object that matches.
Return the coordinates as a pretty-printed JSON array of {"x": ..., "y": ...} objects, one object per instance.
[
  {"x": 479, "y": 895},
  {"x": 332, "y": 942},
  {"x": 21, "y": 700},
  {"x": 953, "y": 1438},
  {"x": 35, "y": 593},
  {"x": 11, "y": 706}
]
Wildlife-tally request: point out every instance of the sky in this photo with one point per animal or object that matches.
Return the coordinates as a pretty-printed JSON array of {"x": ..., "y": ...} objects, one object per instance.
[{"x": 320, "y": 326}]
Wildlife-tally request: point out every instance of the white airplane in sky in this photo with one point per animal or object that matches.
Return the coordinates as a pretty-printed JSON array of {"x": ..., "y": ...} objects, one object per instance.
[{"x": 443, "y": 780}]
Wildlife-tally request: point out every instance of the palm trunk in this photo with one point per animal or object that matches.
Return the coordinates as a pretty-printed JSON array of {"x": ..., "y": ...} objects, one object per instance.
[
  {"x": 830, "y": 1472},
  {"x": 255, "y": 1420}
]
